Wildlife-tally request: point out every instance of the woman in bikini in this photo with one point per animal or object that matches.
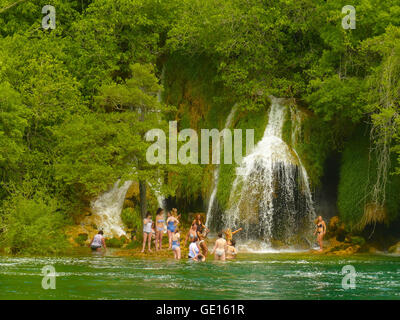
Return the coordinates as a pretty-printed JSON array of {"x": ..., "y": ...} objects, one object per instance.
[
  {"x": 176, "y": 246},
  {"x": 192, "y": 234},
  {"x": 198, "y": 223},
  {"x": 160, "y": 224},
  {"x": 172, "y": 223},
  {"x": 320, "y": 231},
  {"x": 220, "y": 248},
  {"x": 202, "y": 241},
  {"x": 231, "y": 251},
  {"x": 147, "y": 231}
]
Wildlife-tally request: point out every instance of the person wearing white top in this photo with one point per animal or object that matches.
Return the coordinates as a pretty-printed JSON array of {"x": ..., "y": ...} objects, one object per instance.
[
  {"x": 98, "y": 242},
  {"x": 147, "y": 231}
]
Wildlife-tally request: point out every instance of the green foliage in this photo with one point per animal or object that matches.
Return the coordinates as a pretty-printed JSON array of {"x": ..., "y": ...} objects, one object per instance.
[
  {"x": 13, "y": 122},
  {"x": 358, "y": 173},
  {"x": 81, "y": 239},
  {"x": 115, "y": 242},
  {"x": 75, "y": 102},
  {"x": 33, "y": 223},
  {"x": 131, "y": 218}
]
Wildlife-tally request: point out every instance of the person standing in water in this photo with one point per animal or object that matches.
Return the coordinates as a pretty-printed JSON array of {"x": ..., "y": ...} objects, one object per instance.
[
  {"x": 160, "y": 224},
  {"x": 231, "y": 251},
  {"x": 176, "y": 246},
  {"x": 220, "y": 248},
  {"x": 192, "y": 234},
  {"x": 194, "y": 249},
  {"x": 98, "y": 242},
  {"x": 172, "y": 223},
  {"x": 229, "y": 234},
  {"x": 147, "y": 231},
  {"x": 197, "y": 221},
  {"x": 202, "y": 241},
  {"x": 320, "y": 231}
]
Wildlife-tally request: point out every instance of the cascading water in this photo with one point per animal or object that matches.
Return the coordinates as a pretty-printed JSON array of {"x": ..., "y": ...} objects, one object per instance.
[
  {"x": 108, "y": 207},
  {"x": 210, "y": 217},
  {"x": 270, "y": 197}
]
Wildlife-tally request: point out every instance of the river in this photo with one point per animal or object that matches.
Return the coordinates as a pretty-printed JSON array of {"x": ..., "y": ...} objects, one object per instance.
[{"x": 251, "y": 276}]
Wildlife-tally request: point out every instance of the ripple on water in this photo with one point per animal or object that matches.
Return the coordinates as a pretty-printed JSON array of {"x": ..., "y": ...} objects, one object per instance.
[{"x": 252, "y": 276}]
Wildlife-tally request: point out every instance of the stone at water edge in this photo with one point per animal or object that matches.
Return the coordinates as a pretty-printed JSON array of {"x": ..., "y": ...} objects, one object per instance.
[
  {"x": 73, "y": 233},
  {"x": 395, "y": 248}
]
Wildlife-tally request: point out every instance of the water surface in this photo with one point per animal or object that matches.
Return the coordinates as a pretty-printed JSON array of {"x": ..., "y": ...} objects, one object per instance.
[{"x": 251, "y": 276}]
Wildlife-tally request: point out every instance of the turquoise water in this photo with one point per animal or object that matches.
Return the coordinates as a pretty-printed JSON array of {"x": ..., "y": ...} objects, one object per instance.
[{"x": 251, "y": 276}]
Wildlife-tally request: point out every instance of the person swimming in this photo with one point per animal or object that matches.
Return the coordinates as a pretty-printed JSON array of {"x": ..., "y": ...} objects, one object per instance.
[
  {"x": 159, "y": 228},
  {"x": 172, "y": 223},
  {"x": 200, "y": 258},
  {"x": 231, "y": 251},
  {"x": 220, "y": 248},
  {"x": 320, "y": 231},
  {"x": 98, "y": 242},
  {"x": 176, "y": 247},
  {"x": 147, "y": 231}
]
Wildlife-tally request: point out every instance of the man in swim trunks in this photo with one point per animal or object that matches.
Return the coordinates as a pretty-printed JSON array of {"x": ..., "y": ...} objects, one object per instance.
[{"x": 220, "y": 248}]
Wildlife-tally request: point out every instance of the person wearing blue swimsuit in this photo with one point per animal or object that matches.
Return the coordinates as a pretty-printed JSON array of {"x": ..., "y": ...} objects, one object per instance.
[
  {"x": 159, "y": 228},
  {"x": 172, "y": 224},
  {"x": 176, "y": 246}
]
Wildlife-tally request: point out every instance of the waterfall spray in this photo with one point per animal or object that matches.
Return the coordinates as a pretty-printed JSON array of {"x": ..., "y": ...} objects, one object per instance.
[
  {"x": 270, "y": 197},
  {"x": 108, "y": 207}
]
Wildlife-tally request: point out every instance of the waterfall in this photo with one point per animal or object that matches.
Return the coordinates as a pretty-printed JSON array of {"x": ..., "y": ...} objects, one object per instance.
[
  {"x": 270, "y": 197},
  {"x": 108, "y": 207},
  {"x": 212, "y": 202}
]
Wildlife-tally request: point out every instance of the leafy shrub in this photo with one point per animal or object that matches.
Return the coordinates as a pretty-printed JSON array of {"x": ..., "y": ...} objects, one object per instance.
[
  {"x": 33, "y": 225},
  {"x": 81, "y": 238},
  {"x": 115, "y": 242},
  {"x": 131, "y": 218}
]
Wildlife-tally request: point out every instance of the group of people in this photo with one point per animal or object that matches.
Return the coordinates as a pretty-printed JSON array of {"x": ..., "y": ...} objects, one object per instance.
[
  {"x": 196, "y": 237},
  {"x": 198, "y": 251},
  {"x": 156, "y": 229}
]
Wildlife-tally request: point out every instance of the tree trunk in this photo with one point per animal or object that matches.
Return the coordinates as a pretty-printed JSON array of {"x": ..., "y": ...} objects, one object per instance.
[{"x": 143, "y": 199}]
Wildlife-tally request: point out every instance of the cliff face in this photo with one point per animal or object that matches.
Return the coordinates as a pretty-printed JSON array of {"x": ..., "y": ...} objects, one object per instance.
[{"x": 203, "y": 102}]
